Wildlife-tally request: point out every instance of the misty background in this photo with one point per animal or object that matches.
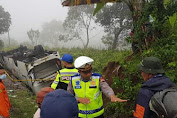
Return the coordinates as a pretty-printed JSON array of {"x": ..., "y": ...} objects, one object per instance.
[{"x": 34, "y": 14}]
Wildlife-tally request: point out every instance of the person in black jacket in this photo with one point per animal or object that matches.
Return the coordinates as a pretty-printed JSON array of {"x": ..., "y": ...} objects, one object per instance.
[{"x": 154, "y": 81}]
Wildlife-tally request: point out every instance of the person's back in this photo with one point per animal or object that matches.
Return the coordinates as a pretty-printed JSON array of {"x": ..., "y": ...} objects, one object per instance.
[
  {"x": 59, "y": 104},
  {"x": 149, "y": 88},
  {"x": 64, "y": 75},
  {"x": 154, "y": 81}
]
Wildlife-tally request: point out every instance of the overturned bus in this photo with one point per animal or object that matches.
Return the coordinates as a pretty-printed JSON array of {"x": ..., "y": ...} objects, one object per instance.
[{"x": 35, "y": 67}]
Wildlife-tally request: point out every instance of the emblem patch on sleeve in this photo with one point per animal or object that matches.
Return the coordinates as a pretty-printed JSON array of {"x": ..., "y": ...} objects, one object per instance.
[{"x": 102, "y": 79}]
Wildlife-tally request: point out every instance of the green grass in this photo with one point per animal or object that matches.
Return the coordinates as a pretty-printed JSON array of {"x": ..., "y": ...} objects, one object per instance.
[
  {"x": 23, "y": 105},
  {"x": 101, "y": 57}
]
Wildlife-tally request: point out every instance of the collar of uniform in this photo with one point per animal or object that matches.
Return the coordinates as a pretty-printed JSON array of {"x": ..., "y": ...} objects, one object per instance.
[
  {"x": 69, "y": 67},
  {"x": 82, "y": 79}
]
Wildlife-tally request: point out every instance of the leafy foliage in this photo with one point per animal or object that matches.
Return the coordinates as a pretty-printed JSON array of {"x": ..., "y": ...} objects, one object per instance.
[
  {"x": 157, "y": 38},
  {"x": 148, "y": 32},
  {"x": 99, "y": 6},
  {"x": 5, "y": 20}
]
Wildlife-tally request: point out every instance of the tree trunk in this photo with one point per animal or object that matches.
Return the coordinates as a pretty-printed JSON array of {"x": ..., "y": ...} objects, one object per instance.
[
  {"x": 114, "y": 45},
  {"x": 116, "y": 35},
  {"x": 135, "y": 7},
  {"x": 8, "y": 37},
  {"x": 87, "y": 38}
]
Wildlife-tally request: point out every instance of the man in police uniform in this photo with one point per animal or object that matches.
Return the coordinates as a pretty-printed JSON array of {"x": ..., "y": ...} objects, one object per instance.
[
  {"x": 64, "y": 75},
  {"x": 88, "y": 87}
]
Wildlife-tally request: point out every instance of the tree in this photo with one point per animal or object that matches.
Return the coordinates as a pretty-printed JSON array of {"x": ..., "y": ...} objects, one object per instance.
[
  {"x": 164, "y": 13},
  {"x": 79, "y": 22},
  {"x": 1, "y": 44},
  {"x": 33, "y": 36},
  {"x": 116, "y": 20},
  {"x": 135, "y": 7},
  {"x": 5, "y": 20},
  {"x": 51, "y": 32}
]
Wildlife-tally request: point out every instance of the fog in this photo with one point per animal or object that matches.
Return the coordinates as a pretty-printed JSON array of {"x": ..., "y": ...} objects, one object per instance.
[
  {"x": 27, "y": 14},
  {"x": 32, "y": 14}
]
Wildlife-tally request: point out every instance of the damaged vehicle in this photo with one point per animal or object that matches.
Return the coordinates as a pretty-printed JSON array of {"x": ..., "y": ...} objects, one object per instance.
[{"x": 35, "y": 67}]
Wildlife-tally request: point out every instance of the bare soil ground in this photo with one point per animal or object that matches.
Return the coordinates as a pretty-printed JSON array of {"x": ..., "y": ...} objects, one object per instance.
[{"x": 113, "y": 69}]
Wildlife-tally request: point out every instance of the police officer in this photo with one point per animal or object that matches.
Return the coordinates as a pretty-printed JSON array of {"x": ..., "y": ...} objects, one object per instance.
[
  {"x": 154, "y": 80},
  {"x": 64, "y": 75},
  {"x": 88, "y": 87}
]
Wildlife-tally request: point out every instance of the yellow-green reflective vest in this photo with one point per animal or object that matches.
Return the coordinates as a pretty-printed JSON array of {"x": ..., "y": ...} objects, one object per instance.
[
  {"x": 92, "y": 91},
  {"x": 64, "y": 75}
]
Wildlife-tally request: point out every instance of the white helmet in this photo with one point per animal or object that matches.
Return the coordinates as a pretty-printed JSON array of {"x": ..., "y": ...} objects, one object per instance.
[{"x": 81, "y": 61}]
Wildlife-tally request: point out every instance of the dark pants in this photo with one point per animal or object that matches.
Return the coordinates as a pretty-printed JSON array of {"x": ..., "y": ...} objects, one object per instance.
[{"x": 101, "y": 116}]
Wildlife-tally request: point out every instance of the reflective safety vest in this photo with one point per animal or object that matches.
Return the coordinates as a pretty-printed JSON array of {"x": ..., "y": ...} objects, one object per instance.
[
  {"x": 89, "y": 90},
  {"x": 64, "y": 75}
]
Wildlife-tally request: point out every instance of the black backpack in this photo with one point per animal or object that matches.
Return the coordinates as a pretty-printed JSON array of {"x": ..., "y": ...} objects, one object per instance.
[{"x": 164, "y": 103}]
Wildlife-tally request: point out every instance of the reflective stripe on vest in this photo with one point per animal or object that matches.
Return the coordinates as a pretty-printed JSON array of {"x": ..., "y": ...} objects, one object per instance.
[
  {"x": 65, "y": 74},
  {"x": 55, "y": 82},
  {"x": 91, "y": 111},
  {"x": 89, "y": 90}
]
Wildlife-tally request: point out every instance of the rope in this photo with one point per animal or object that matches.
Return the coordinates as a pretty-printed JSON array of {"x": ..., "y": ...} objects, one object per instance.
[{"x": 20, "y": 80}]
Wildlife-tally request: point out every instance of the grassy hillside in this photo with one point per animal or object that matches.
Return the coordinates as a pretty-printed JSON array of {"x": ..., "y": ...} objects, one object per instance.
[{"x": 24, "y": 105}]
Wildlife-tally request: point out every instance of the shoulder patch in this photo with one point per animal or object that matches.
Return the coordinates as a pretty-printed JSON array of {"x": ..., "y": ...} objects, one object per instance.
[
  {"x": 96, "y": 74},
  {"x": 77, "y": 74},
  {"x": 139, "y": 113},
  {"x": 102, "y": 79}
]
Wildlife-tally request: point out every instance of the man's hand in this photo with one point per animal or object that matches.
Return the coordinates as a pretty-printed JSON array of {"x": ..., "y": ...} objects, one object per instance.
[
  {"x": 115, "y": 99},
  {"x": 84, "y": 100}
]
